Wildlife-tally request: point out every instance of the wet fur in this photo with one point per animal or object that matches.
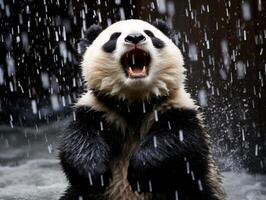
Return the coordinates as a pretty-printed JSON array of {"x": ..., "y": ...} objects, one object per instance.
[{"x": 110, "y": 152}]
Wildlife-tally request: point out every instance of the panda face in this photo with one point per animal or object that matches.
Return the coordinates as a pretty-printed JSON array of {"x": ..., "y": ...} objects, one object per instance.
[{"x": 132, "y": 59}]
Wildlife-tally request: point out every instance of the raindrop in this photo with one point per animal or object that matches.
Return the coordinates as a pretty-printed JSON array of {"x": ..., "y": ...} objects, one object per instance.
[
  {"x": 188, "y": 168},
  {"x": 181, "y": 135},
  {"x": 202, "y": 96},
  {"x": 171, "y": 8},
  {"x": 200, "y": 185},
  {"x": 150, "y": 186},
  {"x": 62, "y": 50},
  {"x": 192, "y": 175},
  {"x": 223, "y": 74},
  {"x": 45, "y": 80},
  {"x": 1, "y": 76},
  {"x": 63, "y": 101},
  {"x": 10, "y": 66},
  {"x": 11, "y": 87},
  {"x": 156, "y": 116},
  {"x": 259, "y": 5},
  {"x": 169, "y": 125},
  {"x": 7, "y": 11},
  {"x": 246, "y": 11},
  {"x": 50, "y": 148},
  {"x": 117, "y": 2},
  {"x": 11, "y": 121},
  {"x": 2, "y": 5},
  {"x": 143, "y": 107},
  {"x": 261, "y": 51},
  {"x": 243, "y": 134},
  {"x": 54, "y": 102},
  {"x": 133, "y": 59},
  {"x": 74, "y": 116},
  {"x": 102, "y": 181},
  {"x": 25, "y": 41},
  {"x": 193, "y": 52},
  {"x": 138, "y": 186},
  {"x": 101, "y": 125},
  {"x": 90, "y": 179},
  {"x": 176, "y": 195},
  {"x": 154, "y": 141},
  {"x": 245, "y": 34},
  {"x": 34, "y": 106},
  {"x": 256, "y": 150},
  {"x": 122, "y": 13},
  {"x": 161, "y": 6},
  {"x": 240, "y": 66}
]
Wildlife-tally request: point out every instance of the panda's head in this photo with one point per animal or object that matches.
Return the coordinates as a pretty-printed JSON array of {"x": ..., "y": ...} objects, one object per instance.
[{"x": 132, "y": 59}]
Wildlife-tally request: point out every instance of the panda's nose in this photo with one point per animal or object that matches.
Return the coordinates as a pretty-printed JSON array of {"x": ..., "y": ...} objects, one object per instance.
[{"x": 135, "y": 38}]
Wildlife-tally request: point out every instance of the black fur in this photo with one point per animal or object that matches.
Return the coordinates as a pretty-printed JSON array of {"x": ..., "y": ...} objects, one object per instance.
[
  {"x": 84, "y": 150},
  {"x": 164, "y": 27},
  {"x": 110, "y": 45},
  {"x": 136, "y": 110},
  {"x": 88, "y": 148},
  {"x": 90, "y": 35},
  {"x": 157, "y": 43}
]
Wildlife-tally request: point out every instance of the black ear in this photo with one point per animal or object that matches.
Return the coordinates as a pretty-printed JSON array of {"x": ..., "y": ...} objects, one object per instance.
[
  {"x": 93, "y": 32},
  {"x": 165, "y": 28},
  {"x": 89, "y": 36}
]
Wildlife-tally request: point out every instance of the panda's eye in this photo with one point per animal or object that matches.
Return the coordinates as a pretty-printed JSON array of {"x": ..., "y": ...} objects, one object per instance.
[
  {"x": 149, "y": 33},
  {"x": 115, "y": 35}
]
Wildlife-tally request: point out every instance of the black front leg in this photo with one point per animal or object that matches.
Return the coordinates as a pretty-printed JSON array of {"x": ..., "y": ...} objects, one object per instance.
[
  {"x": 85, "y": 156},
  {"x": 173, "y": 159}
]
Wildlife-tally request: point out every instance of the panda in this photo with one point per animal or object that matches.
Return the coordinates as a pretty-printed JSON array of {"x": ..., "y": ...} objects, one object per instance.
[{"x": 137, "y": 133}]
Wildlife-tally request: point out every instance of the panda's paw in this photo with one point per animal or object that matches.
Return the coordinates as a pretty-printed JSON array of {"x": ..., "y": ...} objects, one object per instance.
[{"x": 150, "y": 176}]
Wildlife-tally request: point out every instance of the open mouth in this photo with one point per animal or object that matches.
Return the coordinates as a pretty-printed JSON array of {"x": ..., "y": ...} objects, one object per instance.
[{"x": 136, "y": 63}]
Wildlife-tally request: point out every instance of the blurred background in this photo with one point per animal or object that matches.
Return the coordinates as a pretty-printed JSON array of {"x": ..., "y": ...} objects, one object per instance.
[{"x": 224, "y": 46}]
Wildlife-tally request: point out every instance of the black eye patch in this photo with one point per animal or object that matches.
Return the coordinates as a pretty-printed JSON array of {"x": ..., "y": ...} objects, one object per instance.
[
  {"x": 149, "y": 33},
  {"x": 110, "y": 45},
  {"x": 157, "y": 43}
]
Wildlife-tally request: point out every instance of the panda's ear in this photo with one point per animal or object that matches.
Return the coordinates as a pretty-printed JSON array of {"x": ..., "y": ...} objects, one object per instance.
[
  {"x": 165, "y": 28},
  {"x": 92, "y": 33},
  {"x": 89, "y": 36}
]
